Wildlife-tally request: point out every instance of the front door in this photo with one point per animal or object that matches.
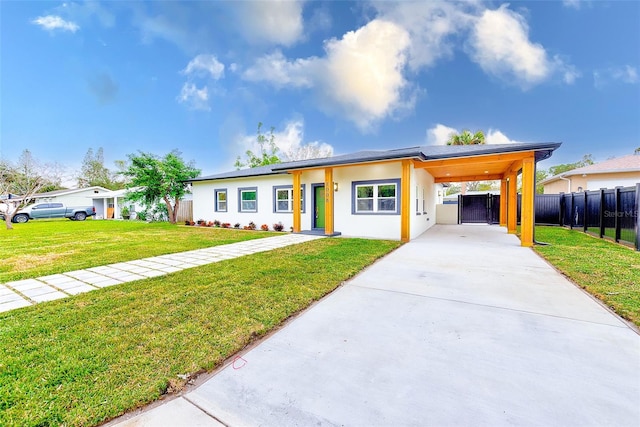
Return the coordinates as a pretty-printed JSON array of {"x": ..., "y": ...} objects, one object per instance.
[{"x": 318, "y": 207}]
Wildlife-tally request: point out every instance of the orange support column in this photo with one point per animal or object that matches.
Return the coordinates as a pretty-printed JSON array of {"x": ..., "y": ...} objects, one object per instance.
[
  {"x": 297, "y": 208},
  {"x": 528, "y": 197},
  {"x": 503, "y": 202},
  {"x": 512, "y": 203},
  {"x": 405, "y": 201},
  {"x": 328, "y": 201}
]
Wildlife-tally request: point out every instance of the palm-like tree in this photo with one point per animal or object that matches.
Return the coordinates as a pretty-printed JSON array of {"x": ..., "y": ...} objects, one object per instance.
[{"x": 466, "y": 138}]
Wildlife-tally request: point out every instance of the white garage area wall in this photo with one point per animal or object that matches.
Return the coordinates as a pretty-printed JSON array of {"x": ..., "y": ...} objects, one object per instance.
[
  {"x": 424, "y": 194},
  {"x": 597, "y": 184},
  {"x": 204, "y": 201},
  {"x": 379, "y": 226}
]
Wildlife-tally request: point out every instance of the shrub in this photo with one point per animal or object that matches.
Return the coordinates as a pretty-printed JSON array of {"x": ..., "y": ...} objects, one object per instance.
[
  {"x": 264, "y": 227},
  {"x": 187, "y": 222},
  {"x": 278, "y": 227},
  {"x": 201, "y": 221},
  {"x": 252, "y": 225},
  {"x": 225, "y": 225},
  {"x": 236, "y": 225},
  {"x": 216, "y": 223},
  {"x": 210, "y": 224}
]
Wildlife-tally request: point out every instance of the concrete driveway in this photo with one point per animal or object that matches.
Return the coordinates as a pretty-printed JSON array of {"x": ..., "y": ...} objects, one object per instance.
[{"x": 459, "y": 327}]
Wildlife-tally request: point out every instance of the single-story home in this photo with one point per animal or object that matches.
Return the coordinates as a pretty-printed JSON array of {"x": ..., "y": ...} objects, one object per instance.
[
  {"x": 71, "y": 196},
  {"x": 389, "y": 194},
  {"x": 618, "y": 172}
]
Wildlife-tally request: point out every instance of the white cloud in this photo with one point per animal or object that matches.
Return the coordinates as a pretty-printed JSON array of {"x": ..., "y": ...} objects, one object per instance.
[
  {"x": 279, "y": 71},
  {"x": 54, "y": 22},
  {"x": 500, "y": 44},
  {"x": 572, "y": 4},
  {"x": 432, "y": 27},
  {"x": 439, "y": 135},
  {"x": 494, "y": 136},
  {"x": 207, "y": 64},
  {"x": 360, "y": 78},
  {"x": 626, "y": 74},
  {"x": 271, "y": 22},
  {"x": 194, "y": 98}
]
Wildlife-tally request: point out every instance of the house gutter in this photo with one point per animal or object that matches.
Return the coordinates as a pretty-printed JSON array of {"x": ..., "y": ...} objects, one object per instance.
[{"x": 568, "y": 180}]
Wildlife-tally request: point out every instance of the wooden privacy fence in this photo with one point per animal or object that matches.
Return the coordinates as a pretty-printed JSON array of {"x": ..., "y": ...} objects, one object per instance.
[
  {"x": 185, "y": 211},
  {"x": 611, "y": 213}
]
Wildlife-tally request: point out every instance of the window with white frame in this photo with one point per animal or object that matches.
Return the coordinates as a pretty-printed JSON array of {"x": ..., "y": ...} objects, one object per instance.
[
  {"x": 283, "y": 198},
  {"x": 221, "y": 200},
  {"x": 248, "y": 199},
  {"x": 376, "y": 197}
]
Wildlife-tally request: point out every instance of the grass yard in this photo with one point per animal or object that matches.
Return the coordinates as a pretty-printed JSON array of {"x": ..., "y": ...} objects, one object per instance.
[
  {"x": 44, "y": 247},
  {"x": 606, "y": 270},
  {"x": 88, "y": 358}
]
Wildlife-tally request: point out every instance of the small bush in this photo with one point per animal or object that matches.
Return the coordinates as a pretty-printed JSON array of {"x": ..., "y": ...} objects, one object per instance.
[
  {"x": 225, "y": 225},
  {"x": 278, "y": 227},
  {"x": 216, "y": 223},
  {"x": 201, "y": 221},
  {"x": 264, "y": 227},
  {"x": 236, "y": 225},
  {"x": 210, "y": 224},
  {"x": 252, "y": 225},
  {"x": 187, "y": 222}
]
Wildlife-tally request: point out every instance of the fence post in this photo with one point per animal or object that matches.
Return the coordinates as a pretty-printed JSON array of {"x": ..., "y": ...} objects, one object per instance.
[
  {"x": 584, "y": 215},
  {"x": 617, "y": 218},
  {"x": 571, "y": 214},
  {"x": 562, "y": 204},
  {"x": 602, "y": 212},
  {"x": 636, "y": 215},
  {"x": 460, "y": 208}
]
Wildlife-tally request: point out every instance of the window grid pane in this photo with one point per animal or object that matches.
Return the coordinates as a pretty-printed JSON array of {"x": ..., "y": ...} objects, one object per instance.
[{"x": 376, "y": 198}]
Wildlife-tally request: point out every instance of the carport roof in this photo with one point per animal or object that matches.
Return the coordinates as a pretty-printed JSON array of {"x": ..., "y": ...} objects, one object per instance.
[{"x": 423, "y": 153}]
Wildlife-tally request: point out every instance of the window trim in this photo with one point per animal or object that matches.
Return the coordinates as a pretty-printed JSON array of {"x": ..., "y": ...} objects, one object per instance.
[
  {"x": 288, "y": 187},
  {"x": 240, "y": 191},
  {"x": 375, "y": 183},
  {"x": 215, "y": 199}
]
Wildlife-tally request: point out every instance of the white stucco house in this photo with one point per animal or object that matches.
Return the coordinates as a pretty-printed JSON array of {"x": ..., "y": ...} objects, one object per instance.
[{"x": 388, "y": 194}]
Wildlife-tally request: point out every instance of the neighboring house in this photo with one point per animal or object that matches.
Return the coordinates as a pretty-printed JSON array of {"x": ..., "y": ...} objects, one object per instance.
[
  {"x": 621, "y": 171},
  {"x": 388, "y": 194},
  {"x": 109, "y": 205},
  {"x": 452, "y": 199},
  {"x": 71, "y": 197}
]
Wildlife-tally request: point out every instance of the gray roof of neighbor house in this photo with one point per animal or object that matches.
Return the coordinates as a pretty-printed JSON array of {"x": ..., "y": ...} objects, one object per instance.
[
  {"x": 629, "y": 163},
  {"x": 424, "y": 153}
]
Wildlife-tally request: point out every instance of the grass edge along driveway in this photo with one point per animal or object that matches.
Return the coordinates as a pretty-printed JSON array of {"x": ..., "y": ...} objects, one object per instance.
[
  {"x": 608, "y": 271},
  {"x": 88, "y": 358}
]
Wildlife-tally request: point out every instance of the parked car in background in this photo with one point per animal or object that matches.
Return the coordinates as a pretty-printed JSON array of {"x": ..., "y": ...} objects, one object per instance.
[{"x": 52, "y": 210}]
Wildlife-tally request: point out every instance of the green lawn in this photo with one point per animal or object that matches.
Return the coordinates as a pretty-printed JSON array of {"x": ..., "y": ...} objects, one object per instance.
[
  {"x": 88, "y": 358},
  {"x": 44, "y": 247},
  {"x": 609, "y": 271}
]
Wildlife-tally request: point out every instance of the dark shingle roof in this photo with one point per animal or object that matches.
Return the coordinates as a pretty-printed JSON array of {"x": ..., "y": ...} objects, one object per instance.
[{"x": 424, "y": 153}]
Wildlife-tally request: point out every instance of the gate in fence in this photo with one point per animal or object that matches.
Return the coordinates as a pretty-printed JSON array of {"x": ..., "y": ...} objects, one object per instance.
[{"x": 479, "y": 209}]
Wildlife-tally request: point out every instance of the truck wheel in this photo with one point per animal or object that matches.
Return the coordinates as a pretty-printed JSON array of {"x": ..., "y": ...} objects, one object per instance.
[
  {"x": 21, "y": 218},
  {"x": 80, "y": 216}
]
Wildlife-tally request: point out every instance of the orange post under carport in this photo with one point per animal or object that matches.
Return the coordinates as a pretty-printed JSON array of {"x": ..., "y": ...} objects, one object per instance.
[
  {"x": 503, "y": 202},
  {"x": 512, "y": 203}
]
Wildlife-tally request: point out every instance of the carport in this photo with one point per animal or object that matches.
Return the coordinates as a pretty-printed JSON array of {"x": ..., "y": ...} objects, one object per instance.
[{"x": 504, "y": 166}]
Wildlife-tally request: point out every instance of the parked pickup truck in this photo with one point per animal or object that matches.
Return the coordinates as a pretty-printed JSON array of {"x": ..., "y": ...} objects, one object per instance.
[{"x": 53, "y": 210}]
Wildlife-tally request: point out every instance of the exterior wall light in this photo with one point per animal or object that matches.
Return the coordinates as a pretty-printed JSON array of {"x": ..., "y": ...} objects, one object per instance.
[{"x": 335, "y": 186}]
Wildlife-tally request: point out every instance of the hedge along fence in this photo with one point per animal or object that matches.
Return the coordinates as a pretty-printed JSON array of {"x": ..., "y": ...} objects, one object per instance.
[{"x": 611, "y": 213}]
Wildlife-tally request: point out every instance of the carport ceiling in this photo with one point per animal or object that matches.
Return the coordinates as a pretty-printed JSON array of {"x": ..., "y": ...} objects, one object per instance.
[{"x": 475, "y": 168}]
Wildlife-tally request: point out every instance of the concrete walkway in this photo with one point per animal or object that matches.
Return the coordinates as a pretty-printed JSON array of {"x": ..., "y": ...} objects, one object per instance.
[
  {"x": 459, "y": 327},
  {"x": 23, "y": 293}
]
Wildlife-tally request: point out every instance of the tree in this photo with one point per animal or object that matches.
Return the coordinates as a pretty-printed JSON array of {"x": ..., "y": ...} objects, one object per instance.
[
  {"x": 268, "y": 154},
  {"x": 24, "y": 180},
  {"x": 636, "y": 151},
  {"x": 154, "y": 180},
  {"x": 312, "y": 150},
  {"x": 466, "y": 138},
  {"x": 586, "y": 160},
  {"x": 541, "y": 175},
  {"x": 94, "y": 172}
]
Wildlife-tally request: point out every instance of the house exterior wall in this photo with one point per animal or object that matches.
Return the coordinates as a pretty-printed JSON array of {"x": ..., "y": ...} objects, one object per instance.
[
  {"x": 346, "y": 220},
  {"x": 204, "y": 201},
  {"x": 592, "y": 182},
  {"x": 423, "y": 203}
]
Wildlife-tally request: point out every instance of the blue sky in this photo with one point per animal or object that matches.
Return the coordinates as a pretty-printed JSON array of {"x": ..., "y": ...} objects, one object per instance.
[{"x": 346, "y": 76}]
